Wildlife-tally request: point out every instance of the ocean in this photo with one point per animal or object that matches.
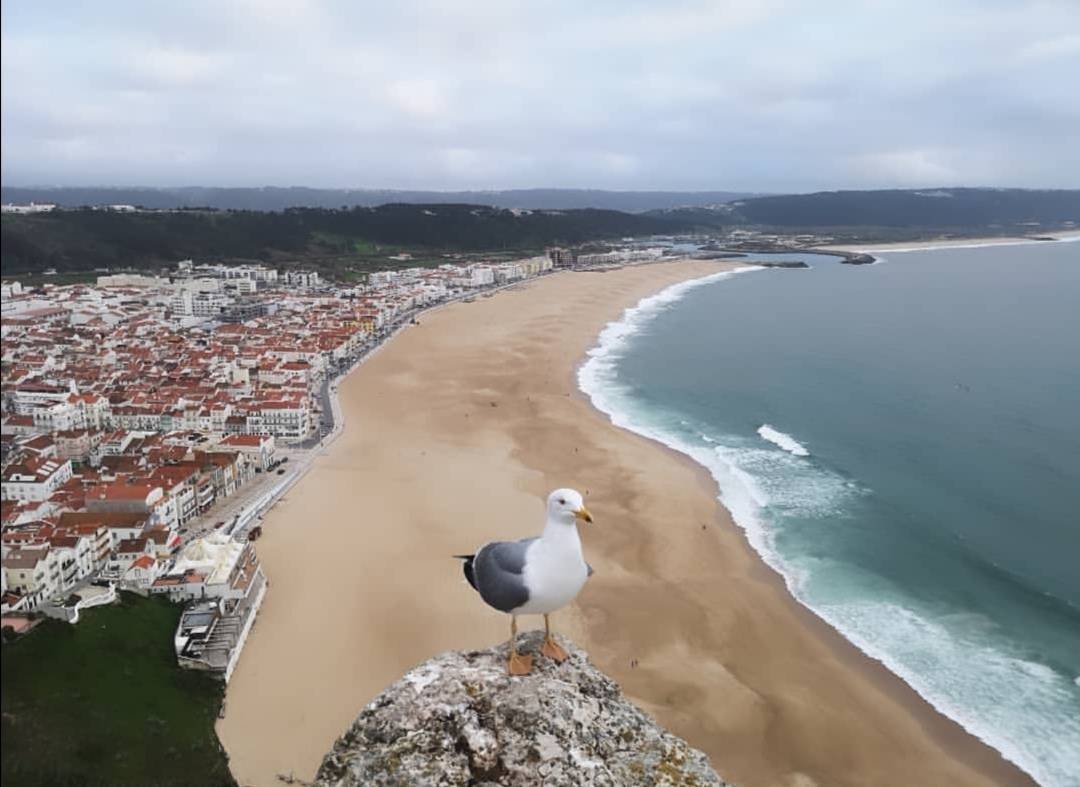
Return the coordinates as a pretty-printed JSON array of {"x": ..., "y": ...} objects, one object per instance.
[{"x": 901, "y": 441}]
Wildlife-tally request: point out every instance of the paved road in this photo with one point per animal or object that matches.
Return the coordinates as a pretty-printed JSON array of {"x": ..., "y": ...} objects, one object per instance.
[
  {"x": 242, "y": 499},
  {"x": 300, "y": 454},
  {"x": 326, "y": 424}
]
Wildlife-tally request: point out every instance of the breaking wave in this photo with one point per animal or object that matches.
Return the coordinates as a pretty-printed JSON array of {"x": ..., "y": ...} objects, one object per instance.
[
  {"x": 784, "y": 441},
  {"x": 1020, "y": 707}
]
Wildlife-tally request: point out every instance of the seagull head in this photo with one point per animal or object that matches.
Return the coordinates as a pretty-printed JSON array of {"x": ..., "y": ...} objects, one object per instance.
[{"x": 567, "y": 506}]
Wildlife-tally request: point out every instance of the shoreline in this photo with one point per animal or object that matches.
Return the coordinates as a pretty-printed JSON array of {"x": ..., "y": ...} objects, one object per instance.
[
  {"x": 295, "y": 474},
  {"x": 974, "y": 242},
  {"x": 949, "y": 732},
  {"x": 595, "y": 390},
  {"x": 487, "y": 401}
]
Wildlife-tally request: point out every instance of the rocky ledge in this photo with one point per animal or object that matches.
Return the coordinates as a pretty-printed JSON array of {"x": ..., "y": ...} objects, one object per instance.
[
  {"x": 851, "y": 258},
  {"x": 459, "y": 719},
  {"x": 784, "y": 264}
]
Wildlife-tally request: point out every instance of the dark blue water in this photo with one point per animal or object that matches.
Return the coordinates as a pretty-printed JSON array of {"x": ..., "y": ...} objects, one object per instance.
[{"x": 936, "y": 518}]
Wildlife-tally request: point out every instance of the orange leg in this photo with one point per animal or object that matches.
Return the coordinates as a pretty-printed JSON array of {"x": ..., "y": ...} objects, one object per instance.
[
  {"x": 552, "y": 649},
  {"x": 517, "y": 664}
]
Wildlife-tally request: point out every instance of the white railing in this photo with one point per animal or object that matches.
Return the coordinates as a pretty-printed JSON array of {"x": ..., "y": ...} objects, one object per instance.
[
  {"x": 253, "y": 610},
  {"x": 71, "y": 614}
]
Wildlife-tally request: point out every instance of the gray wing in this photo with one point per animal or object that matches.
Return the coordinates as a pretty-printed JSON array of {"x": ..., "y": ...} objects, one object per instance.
[{"x": 499, "y": 568}]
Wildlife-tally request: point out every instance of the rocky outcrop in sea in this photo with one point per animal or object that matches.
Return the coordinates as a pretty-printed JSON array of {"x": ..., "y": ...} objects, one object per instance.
[{"x": 459, "y": 719}]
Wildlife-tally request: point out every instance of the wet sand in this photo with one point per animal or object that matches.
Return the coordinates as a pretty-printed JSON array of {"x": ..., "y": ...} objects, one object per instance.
[{"x": 454, "y": 434}]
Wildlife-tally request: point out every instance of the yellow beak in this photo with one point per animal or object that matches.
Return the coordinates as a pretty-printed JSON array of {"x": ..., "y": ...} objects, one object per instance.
[{"x": 583, "y": 513}]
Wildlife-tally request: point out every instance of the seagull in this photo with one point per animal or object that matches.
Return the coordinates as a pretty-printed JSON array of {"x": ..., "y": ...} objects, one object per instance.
[{"x": 534, "y": 576}]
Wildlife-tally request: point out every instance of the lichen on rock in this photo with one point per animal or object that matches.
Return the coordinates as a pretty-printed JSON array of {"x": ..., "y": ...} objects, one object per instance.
[{"x": 459, "y": 719}]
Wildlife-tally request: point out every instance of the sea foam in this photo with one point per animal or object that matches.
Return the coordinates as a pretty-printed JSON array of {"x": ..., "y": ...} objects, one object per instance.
[
  {"x": 998, "y": 697},
  {"x": 597, "y": 376},
  {"x": 785, "y": 441},
  {"x": 737, "y": 470},
  {"x": 966, "y": 678}
]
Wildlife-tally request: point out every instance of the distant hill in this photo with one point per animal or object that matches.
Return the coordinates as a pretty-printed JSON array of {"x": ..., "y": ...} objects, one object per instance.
[
  {"x": 274, "y": 198},
  {"x": 954, "y": 208},
  {"x": 85, "y": 239},
  {"x": 362, "y": 238}
]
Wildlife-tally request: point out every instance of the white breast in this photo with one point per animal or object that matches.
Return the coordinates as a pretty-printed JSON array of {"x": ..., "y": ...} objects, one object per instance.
[{"x": 555, "y": 572}]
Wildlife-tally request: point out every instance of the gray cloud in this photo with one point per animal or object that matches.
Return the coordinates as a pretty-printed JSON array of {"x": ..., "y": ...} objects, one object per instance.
[{"x": 739, "y": 94}]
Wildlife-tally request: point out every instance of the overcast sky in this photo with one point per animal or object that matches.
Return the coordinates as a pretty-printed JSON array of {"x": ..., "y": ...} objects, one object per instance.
[{"x": 757, "y": 95}]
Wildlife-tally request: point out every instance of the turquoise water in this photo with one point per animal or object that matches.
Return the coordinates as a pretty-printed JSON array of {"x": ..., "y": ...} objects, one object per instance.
[{"x": 902, "y": 442}]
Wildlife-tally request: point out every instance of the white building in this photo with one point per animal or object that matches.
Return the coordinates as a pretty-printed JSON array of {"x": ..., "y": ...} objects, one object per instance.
[
  {"x": 33, "y": 207},
  {"x": 305, "y": 280},
  {"x": 182, "y": 303},
  {"x": 619, "y": 256},
  {"x": 214, "y": 566},
  {"x": 76, "y": 556},
  {"x": 209, "y": 304},
  {"x": 32, "y": 571},
  {"x": 28, "y": 398},
  {"x": 34, "y": 479},
  {"x": 131, "y": 280},
  {"x": 126, "y": 554},
  {"x": 256, "y": 273},
  {"x": 73, "y": 412},
  {"x": 135, "y": 498},
  {"x": 482, "y": 275},
  {"x": 287, "y": 420},
  {"x": 382, "y": 278},
  {"x": 142, "y": 573}
]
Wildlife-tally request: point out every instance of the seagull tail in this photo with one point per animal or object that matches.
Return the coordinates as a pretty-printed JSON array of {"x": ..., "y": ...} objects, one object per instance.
[{"x": 468, "y": 566}]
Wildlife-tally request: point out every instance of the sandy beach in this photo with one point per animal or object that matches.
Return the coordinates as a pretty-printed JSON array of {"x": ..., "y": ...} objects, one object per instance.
[
  {"x": 454, "y": 434},
  {"x": 973, "y": 242}
]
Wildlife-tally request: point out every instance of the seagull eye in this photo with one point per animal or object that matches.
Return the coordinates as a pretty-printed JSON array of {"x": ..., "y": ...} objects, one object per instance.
[{"x": 562, "y": 502}]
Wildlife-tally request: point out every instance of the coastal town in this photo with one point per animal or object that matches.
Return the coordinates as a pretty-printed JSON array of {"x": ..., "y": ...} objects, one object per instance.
[
  {"x": 516, "y": 394},
  {"x": 149, "y": 421}
]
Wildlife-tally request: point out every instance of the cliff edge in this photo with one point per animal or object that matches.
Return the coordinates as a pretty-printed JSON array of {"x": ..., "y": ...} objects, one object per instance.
[{"x": 459, "y": 719}]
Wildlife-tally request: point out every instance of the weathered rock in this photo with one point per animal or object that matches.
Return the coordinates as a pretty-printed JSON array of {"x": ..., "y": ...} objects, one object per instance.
[
  {"x": 459, "y": 719},
  {"x": 858, "y": 259}
]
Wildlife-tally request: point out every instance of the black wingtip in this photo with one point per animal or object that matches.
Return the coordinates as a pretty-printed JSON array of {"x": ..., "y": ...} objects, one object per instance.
[{"x": 468, "y": 566}]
